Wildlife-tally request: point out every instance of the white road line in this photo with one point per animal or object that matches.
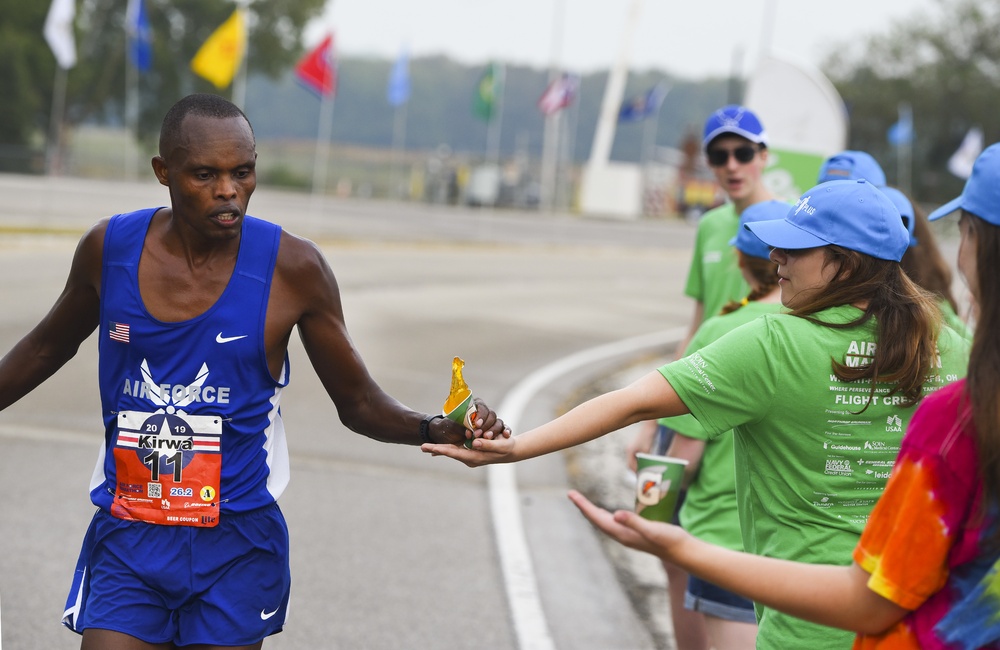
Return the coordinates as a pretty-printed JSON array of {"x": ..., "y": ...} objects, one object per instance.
[{"x": 530, "y": 626}]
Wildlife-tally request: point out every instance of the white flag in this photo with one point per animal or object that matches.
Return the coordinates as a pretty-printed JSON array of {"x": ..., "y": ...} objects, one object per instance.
[
  {"x": 59, "y": 32},
  {"x": 960, "y": 163}
]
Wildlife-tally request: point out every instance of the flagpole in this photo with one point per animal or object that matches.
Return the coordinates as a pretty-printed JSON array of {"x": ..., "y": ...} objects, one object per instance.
[
  {"x": 652, "y": 125},
  {"x": 240, "y": 83},
  {"x": 493, "y": 132},
  {"x": 322, "y": 145},
  {"x": 553, "y": 121},
  {"x": 904, "y": 153},
  {"x": 567, "y": 150},
  {"x": 131, "y": 118},
  {"x": 398, "y": 143},
  {"x": 132, "y": 13},
  {"x": 53, "y": 163}
]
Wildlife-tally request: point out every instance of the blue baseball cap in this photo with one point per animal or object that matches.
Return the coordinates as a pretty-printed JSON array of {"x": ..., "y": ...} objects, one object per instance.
[
  {"x": 737, "y": 120},
  {"x": 905, "y": 208},
  {"x": 851, "y": 166},
  {"x": 745, "y": 240},
  {"x": 981, "y": 195},
  {"x": 853, "y": 214}
]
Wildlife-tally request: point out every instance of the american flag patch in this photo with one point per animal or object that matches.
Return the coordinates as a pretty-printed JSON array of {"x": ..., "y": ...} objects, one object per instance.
[{"x": 118, "y": 331}]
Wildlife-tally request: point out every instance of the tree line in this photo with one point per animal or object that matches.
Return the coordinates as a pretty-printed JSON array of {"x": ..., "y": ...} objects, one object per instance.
[{"x": 945, "y": 68}]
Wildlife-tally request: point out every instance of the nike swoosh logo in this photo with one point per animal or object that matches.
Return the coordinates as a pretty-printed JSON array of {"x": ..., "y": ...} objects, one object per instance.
[
  {"x": 219, "y": 338},
  {"x": 264, "y": 615}
]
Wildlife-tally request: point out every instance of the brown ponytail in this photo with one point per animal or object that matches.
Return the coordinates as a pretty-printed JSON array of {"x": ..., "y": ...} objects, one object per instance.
[
  {"x": 983, "y": 382},
  {"x": 765, "y": 275},
  {"x": 906, "y": 316}
]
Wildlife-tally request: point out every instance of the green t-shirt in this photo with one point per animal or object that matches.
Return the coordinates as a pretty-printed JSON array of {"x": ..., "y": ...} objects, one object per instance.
[
  {"x": 714, "y": 276},
  {"x": 709, "y": 510},
  {"x": 952, "y": 320},
  {"x": 809, "y": 467}
]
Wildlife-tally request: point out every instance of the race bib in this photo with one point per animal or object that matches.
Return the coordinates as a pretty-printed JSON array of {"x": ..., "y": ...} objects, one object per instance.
[{"x": 168, "y": 468}]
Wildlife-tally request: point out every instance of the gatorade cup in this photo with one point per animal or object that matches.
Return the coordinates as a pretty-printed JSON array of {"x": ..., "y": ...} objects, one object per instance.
[
  {"x": 657, "y": 484},
  {"x": 459, "y": 407}
]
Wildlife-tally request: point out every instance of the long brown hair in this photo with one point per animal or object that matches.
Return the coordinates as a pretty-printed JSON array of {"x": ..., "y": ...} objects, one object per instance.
[
  {"x": 924, "y": 262},
  {"x": 765, "y": 274},
  {"x": 983, "y": 381},
  {"x": 906, "y": 318}
]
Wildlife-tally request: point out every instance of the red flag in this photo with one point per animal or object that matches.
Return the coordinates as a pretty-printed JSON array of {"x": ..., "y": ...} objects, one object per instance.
[
  {"x": 317, "y": 70},
  {"x": 559, "y": 94}
]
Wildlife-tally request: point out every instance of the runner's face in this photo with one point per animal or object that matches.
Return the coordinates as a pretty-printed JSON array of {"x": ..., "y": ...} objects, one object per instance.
[
  {"x": 740, "y": 180},
  {"x": 211, "y": 173},
  {"x": 802, "y": 273}
]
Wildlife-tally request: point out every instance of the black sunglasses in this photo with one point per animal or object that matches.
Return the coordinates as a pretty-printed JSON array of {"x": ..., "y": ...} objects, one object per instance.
[{"x": 719, "y": 157}]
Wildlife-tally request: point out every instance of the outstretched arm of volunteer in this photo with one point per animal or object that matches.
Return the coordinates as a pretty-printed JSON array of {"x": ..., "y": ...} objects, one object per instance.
[
  {"x": 836, "y": 596},
  {"x": 647, "y": 398}
]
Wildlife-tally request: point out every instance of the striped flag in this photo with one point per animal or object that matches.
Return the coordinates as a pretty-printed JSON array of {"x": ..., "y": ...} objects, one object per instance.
[
  {"x": 559, "y": 94},
  {"x": 118, "y": 331}
]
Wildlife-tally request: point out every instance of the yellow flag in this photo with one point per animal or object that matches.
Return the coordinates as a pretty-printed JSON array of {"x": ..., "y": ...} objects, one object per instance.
[{"x": 221, "y": 54}]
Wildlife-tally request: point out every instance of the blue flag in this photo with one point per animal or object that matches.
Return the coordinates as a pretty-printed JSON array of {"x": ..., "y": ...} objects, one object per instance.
[
  {"x": 642, "y": 106},
  {"x": 140, "y": 36},
  {"x": 901, "y": 132},
  {"x": 398, "y": 92}
]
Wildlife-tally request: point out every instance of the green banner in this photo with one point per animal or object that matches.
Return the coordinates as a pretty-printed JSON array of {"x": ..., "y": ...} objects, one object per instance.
[{"x": 790, "y": 173}]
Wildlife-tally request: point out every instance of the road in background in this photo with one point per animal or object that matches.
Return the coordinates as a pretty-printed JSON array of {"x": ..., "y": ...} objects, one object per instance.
[{"x": 389, "y": 548}]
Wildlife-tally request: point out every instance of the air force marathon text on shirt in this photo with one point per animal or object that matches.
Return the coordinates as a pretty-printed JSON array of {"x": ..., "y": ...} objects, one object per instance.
[{"x": 855, "y": 445}]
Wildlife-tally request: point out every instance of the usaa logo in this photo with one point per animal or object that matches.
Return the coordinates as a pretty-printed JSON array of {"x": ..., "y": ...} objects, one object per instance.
[{"x": 893, "y": 424}]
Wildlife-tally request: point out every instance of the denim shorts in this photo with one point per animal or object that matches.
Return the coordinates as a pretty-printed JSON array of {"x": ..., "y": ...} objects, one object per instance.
[{"x": 707, "y": 598}]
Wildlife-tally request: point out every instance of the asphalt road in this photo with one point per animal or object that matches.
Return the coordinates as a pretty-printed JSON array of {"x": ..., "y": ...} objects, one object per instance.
[{"x": 390, "y": 549}]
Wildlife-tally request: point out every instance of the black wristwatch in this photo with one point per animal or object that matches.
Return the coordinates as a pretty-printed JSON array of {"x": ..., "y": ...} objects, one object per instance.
[{"x": 425, "y": 427}]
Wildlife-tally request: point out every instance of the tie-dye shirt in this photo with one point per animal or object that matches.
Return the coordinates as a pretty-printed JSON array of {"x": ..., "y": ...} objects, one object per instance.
[{"x": 923, "y": 542}]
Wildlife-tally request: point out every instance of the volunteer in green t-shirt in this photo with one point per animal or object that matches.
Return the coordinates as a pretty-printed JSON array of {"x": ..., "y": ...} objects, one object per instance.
[
  {"x": 817, "y": 398},
  {"x": 922, "y": 261},
  {"x": 735, "y": 145},
  {"x": 924, "y": 573},
  {"x": 709, "y": 509}
]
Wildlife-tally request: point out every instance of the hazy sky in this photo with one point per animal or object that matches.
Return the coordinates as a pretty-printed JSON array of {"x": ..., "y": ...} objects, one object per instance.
[{"x": 687, "y": 37}]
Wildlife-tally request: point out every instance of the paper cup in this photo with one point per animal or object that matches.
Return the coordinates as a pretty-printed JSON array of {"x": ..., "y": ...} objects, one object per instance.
[
  {"x": 463, "y": 414},
  {"x": 657, "y": 484}
]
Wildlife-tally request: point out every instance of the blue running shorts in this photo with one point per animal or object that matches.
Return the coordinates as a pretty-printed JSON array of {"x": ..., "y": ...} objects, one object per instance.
[{"x": 226, "y": 585}]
